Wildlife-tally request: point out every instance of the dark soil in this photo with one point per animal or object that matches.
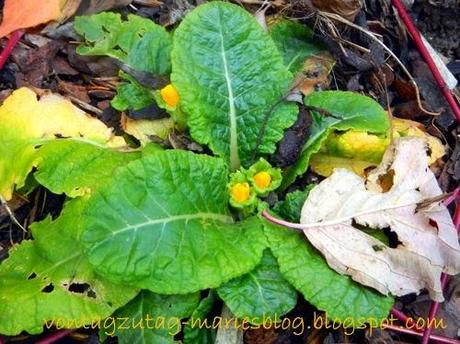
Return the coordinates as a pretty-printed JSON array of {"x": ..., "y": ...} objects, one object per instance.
[{"x": 439, "y": 22}]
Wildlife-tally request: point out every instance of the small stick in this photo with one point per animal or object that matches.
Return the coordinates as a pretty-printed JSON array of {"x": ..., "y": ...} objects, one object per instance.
[
  {"x": 388, "y": 50},
  {"x": 11, "y": 214}
]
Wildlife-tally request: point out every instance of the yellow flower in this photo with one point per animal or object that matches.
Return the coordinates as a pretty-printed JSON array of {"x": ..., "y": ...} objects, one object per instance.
[
  {"x": 170, "y": 95},
  {"x": 240, "y": 192},
  {"x": 262, "y": 180}
]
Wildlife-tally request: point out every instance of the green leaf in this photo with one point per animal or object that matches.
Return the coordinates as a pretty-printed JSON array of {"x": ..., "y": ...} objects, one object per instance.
[
  {"x": 291, "y": 207},
  {"x": 295, "y": 42},
  {"x": 231, "y": 78},
  {"x": 132, "y": 95},
  {"x": 77, "y": 168},
  {"x": 347, "y": 110},
  {"x": 329, "y": 291},
  {"x": 193, "y": 333},
  {"x": 54, "y": 259},
  {"x": 154, "y": 318},
  {"x": 138, "y": 42},
  {"x": 261, "y": 292},
  {"x": 163, "y": 224},
  {"x": 34, "y": 290}
]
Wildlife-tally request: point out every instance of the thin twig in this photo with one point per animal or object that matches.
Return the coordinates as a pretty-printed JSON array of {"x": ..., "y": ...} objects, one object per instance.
[
  {"x": 11, "y": 214},
  {"x": 388, "y": 50}
]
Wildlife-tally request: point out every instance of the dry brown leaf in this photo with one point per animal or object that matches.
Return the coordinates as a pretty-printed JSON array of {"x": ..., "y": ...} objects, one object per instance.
[
  {"x": 315, "y": 73},
  {"x": 347, "y": 9},
  {"x": 428, "y": 239}
]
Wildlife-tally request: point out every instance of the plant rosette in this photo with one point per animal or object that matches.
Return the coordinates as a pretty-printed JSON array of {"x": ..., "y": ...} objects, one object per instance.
[{"x": 263, "y": 177}]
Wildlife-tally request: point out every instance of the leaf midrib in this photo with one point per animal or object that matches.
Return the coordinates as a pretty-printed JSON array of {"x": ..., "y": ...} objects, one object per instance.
[
  {"x": 234, "y": 156},
  {"x": 211, "y": 216}
]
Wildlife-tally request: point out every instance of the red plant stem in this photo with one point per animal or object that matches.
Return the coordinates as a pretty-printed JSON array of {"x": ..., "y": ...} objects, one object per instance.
[
  {"x": 404, "y": 318},
  {"x": 14, "y": 39},
  {"x": 280, "y": 222},
  {"x": 444, "y": 278},
  {"x": 441, "y": 339},
  {"x": 54, "y": 337},
  {"x": 400, "y": 315},
  {"x": 455, "y": 194},
  {"x": 427, "y": 57}
]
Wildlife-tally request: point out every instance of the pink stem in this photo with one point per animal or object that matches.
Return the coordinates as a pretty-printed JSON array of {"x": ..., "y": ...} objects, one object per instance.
[
  {"x": 54, "y": 337},
  {"x": 400, "y": 315},
  {"x": 444, "y": 278},
  {"x": 14, "y": 39},
  {"x": 455, "y": 194},
  {"x": 280, "y": 222},
  {"x": 427, "y": 57},
  {"x": 441, "y": 339}
]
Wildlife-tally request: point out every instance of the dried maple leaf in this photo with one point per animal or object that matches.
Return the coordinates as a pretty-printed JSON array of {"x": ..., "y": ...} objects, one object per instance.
[{"x": 428, "y": 243}]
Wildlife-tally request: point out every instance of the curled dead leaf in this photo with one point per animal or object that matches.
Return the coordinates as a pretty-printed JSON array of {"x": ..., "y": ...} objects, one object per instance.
[
  {"x": 315, "y": 73},
  {"x": 347, "y": 9}
]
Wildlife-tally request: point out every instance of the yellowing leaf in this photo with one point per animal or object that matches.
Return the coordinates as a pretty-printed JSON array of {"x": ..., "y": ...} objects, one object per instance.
[
  {"x": 359, "y": 150},
  {"x": 357, "y": 144},
  {"x": 144, "y": 130},
  {"x": 324, "y": 164},
  {"x": 26, "y": 123},
  {"x": 405, "y": 127},
  {"x": 428, "y": 239}
]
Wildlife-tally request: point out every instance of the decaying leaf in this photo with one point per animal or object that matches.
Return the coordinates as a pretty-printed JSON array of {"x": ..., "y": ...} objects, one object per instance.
[
  {"x": 145, "y": 129},
  {"x": 406, "y": 127},
  {"x": 428, "y": 240},
  {"x": 343, "y": 111},
  {"x": 315, "y": 73},
  {"x": 359, "y": 150},
  {"x": 22, "y": 14},
  {"x": 345, "y": 8},
  {"x": 26, "y": 123}
]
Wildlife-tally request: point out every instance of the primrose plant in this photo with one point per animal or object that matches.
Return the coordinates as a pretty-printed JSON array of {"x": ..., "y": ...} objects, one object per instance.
[{"x": 145, "y": 231}]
